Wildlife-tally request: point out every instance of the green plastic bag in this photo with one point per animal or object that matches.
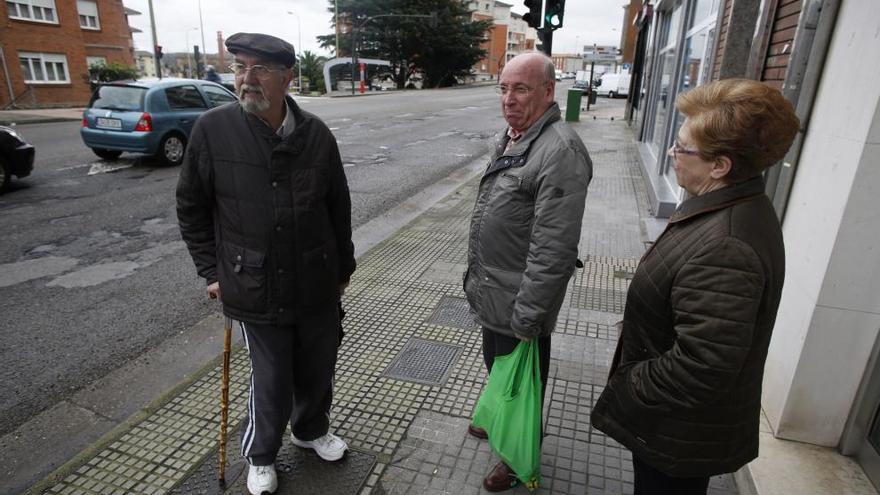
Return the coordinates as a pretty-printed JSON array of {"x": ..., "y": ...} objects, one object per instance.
[{"x": 510, "y": 411}]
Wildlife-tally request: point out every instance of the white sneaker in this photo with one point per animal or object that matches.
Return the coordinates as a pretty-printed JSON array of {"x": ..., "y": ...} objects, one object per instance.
[
  {"x": 329, "y": 447},
  {"x": 262, "y": 479}
]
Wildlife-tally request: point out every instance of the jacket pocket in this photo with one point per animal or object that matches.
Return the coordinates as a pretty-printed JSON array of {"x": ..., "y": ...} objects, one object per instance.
[
  {"x": 498, "y": 296},
  {"x": 511, "y": 198},
  {"x": 319, "y": 272},
  {"x": 242, "y": 278}
]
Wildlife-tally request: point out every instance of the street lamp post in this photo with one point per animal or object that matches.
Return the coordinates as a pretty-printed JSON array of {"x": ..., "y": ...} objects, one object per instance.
[
  {"x": 300, "y": 47},
  {"x": 189, "y": 66}
]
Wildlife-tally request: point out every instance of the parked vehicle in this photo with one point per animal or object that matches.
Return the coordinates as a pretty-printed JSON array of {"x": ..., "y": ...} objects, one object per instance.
[
  {"x": 16, "y": 156},
  {"x": 227, "y": 81},
  {"x": 148, "y": 116},
  {"x": 614, "y": 85}
]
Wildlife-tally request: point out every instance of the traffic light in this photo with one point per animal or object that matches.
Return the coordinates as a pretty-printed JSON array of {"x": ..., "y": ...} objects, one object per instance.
[
  {"x": 158, "y": 51},
  {"x": 553, "y": 13},
  {"x": 533, "y": 16}
]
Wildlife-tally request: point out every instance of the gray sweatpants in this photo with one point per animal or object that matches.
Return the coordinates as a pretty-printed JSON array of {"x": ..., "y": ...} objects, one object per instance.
[{"x": 291, "y": 380}]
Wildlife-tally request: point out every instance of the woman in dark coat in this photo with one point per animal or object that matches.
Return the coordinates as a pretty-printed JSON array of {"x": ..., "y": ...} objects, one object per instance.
[{"x": 684, "y": 393}]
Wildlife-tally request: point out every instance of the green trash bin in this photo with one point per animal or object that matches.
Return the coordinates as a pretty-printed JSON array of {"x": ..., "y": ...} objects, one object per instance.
[{"x": 573, "y": 105}]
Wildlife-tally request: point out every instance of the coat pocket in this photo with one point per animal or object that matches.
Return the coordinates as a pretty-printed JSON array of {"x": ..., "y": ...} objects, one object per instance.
[
  {"x": 500, "y": 288},
  {"x": 319, "y": 280},
  {"x": 242, "y": 278}
]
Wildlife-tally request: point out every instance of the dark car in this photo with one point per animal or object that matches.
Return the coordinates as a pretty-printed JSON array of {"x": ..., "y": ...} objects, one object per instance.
[
  {"x": 148, "y": 116},
  {"x": 16, "y": 156}
]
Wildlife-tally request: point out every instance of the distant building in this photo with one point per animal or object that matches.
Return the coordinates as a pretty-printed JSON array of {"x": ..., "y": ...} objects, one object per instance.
[
  {"x": 568, "y": 62},
  {"x": 508, "y": 37},
  {"x": 46, "y": 47},
  {"x": 145, "y": 63}
]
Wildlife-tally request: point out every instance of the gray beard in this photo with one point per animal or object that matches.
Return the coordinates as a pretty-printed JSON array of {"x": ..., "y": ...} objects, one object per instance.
[{"x": 251, "y": 105}]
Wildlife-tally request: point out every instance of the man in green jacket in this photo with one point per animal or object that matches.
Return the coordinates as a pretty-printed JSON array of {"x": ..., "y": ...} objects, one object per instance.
[{"x": 526, "y": 223}]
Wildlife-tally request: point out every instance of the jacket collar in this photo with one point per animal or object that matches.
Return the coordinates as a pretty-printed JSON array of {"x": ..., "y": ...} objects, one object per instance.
[
  {"x": 549, "y": 116},
  {"x": 292, "y": 143},
  {"x": 718, "y": 199}
]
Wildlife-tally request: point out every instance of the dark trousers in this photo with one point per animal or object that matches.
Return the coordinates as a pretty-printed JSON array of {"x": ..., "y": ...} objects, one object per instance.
[
  {"x": 649, "y": 481},
  {"x": 291, "y": 380},
  {"x": 497, "y": 344}
]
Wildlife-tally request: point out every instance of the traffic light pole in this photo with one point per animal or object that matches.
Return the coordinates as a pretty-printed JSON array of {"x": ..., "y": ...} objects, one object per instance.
[{"x": 546, "y": 40}]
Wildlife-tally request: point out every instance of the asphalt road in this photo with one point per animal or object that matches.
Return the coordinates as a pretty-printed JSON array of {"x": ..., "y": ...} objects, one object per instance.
[{"x": 92, "y": 269}]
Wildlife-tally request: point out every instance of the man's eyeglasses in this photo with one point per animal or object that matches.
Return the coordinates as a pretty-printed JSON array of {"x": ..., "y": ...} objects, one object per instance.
[
  {"x": 518, "y": 90},
  {"x": 259, "y": 71},
  {"x": 677, "y": 149}
]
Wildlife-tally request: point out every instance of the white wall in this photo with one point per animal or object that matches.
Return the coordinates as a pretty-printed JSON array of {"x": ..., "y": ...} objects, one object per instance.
[{"x": 830, "y": 311}]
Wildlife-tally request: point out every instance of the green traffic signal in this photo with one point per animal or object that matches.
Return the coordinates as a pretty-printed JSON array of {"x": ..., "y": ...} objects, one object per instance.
[{"x": 553, "y": 13}]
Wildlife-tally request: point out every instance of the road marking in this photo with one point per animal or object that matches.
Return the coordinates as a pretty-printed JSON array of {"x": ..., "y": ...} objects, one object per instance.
[
  {"x": 104, "y": 167},
  {"x": 81, "y": 165}
]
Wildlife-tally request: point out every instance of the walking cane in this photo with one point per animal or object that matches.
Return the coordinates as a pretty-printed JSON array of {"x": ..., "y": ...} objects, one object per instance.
[{"x": 224, "y": 397}]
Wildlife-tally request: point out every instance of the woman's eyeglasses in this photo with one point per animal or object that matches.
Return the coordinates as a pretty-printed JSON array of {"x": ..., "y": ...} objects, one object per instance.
[{"x": 677, "y": 149}]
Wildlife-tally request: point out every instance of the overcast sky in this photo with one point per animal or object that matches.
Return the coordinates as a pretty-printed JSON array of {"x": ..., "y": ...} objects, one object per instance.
[{"x": 177, "y": 21}]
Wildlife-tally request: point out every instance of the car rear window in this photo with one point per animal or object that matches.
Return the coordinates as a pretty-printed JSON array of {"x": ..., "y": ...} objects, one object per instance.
[
  {"x": 183, "y": 97},
  {"x": 128, "y": 98}
]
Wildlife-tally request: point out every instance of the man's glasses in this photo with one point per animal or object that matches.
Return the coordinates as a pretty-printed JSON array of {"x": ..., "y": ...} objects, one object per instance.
[
  {"x": 259, "y": 71},
  {"x": 518, "y": 90},
  {"x": 677, "y": 149}
]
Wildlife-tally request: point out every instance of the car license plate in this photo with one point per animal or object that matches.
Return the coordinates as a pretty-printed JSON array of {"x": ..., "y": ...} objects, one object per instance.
[{"x": 109, "y": 123}]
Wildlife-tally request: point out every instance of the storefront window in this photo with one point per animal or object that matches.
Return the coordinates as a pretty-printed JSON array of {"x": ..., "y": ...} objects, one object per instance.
[
  {"x": 664, "y": 102},
  {"x": 703, "y": 10}
]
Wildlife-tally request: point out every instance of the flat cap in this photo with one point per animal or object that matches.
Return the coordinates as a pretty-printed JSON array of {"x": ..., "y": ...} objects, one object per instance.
[{"x": 263, "y": 45}]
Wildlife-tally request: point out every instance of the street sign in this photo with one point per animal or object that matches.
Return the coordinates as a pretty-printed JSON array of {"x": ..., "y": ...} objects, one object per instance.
[{"x": 600, "y": 53}]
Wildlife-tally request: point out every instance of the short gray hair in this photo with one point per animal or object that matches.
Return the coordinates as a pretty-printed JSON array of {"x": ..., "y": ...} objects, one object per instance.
[{"x": 549, "y": 68}]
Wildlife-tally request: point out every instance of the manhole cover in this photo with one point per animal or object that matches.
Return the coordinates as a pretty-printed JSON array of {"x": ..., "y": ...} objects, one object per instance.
[
  {"x": 423, "y": 361},
  {"x": 299, "y": 471},
  {"x": 453, "y": 312}
]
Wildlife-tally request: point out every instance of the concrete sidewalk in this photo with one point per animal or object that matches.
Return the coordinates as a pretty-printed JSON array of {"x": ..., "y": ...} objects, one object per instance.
[
  {"x": 410, "y": 368},
  {"x": 39, "y": 116}
]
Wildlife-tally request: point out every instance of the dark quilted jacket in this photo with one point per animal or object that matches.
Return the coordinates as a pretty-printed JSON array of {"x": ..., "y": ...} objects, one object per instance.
[
  {"x": 684, "y": 394},
  {"x": 269, "y": 218}
]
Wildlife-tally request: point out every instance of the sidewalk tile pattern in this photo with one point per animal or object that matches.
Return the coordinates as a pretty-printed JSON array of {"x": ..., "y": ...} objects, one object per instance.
[{"x": 405, "y": 289}]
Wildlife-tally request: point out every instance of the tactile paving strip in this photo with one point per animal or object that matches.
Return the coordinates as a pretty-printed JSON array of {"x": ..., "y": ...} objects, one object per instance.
[
  {"x": 423, "y": 361},
  {"x": 453, "y": 312}
]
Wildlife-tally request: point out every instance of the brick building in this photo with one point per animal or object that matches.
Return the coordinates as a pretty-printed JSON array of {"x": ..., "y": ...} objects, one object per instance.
[
  {"x": 46, "y": 47},
  {"x": 508, "y": 37}
]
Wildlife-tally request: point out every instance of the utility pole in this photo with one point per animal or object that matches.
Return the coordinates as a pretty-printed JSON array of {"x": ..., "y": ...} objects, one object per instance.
[
  {"x": 156, "y": 55},
  {"x": 336, "y": 23},
  {"x": 202, "y": 29}
]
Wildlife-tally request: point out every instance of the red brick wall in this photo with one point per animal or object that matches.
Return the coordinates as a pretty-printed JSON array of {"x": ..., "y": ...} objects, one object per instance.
[
  {"x": 781, "y": 39},
  {"x": 722, "y": 39},
  {"x": 68, "y": 39}
]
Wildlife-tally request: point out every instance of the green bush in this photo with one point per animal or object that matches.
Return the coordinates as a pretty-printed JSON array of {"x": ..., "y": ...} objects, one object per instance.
[{"x": 115, "y": 71}]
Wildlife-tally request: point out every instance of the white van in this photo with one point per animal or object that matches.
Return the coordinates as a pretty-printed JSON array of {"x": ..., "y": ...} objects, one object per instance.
[{"x": 614, "y": 85}]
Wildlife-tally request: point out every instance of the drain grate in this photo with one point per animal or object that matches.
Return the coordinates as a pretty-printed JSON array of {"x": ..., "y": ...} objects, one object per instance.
[
  {"x": 453, "y": 312},
  {"x": 423, "y": 361},
  {"x": 299, "y": 471}
]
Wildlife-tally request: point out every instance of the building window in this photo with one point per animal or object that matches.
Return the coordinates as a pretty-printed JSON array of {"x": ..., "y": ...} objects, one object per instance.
[
  {"x": 33, "y": 10},
  {"x": 88, "y": 14},
  {"x": 43, "y": 68},
  {"x": 90, "y": 61}
]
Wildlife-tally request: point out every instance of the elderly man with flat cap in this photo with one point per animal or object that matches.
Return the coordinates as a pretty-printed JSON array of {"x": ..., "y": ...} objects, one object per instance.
[{"x": 264, "y": 208}]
